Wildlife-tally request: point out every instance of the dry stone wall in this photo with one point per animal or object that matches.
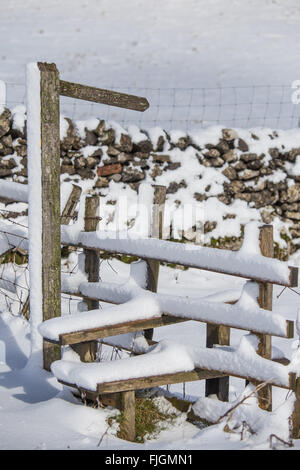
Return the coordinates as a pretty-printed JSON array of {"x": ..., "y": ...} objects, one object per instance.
[{"x": 267, "y": 179}]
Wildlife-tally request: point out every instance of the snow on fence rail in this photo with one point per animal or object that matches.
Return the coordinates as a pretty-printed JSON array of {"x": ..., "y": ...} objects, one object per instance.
[
  {"x": 248, "y": 265},
  {"x": 14, "y": 191},
  {"x": 140, "y": 309}
]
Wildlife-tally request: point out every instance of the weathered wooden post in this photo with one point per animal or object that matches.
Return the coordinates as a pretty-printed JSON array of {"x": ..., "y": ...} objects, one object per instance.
[
  {"x": 44, "y": 201},
  {"x": 88, "y": 349},
  {"x": 127, "y": 426},
  {"x": 265, "y": 301}
]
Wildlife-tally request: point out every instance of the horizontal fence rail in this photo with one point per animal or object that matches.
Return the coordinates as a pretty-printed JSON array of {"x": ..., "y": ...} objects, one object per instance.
[{"x": 254, "y": 267}]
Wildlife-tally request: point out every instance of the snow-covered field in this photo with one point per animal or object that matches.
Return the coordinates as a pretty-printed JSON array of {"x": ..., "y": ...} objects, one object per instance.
[
  {"x": 152, "y": 48},
  {"x": 152, "y": 44},
  {"x": 175, "y": 43}
]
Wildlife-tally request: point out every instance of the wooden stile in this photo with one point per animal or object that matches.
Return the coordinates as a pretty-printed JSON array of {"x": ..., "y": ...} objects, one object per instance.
[{"x": 123, "y": 391}]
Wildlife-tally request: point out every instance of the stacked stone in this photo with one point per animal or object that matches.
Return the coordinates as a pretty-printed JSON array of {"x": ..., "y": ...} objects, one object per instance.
[{"x": 125, "y": 160}]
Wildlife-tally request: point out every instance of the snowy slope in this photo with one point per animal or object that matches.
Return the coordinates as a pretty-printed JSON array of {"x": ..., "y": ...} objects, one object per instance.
[{"x": 173, "y": 43}]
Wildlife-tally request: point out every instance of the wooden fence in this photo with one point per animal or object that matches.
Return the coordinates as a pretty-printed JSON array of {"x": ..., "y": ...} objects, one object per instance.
[
  {"x": 219, "y": 317},
  {"x": 228, "y": 316}
]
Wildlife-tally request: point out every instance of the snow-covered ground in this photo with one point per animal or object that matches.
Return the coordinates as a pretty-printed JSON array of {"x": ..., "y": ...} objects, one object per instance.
[{"x": 59, "y": 421}]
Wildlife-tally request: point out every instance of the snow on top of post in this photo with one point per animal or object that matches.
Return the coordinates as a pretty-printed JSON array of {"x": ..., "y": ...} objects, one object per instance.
[
  {"x": 35, "y": 206},
  {"x": 251, "y": 239}
]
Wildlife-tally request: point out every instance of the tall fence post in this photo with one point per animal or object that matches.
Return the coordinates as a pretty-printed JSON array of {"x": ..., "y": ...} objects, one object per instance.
[{"x": 44, "y": 201}]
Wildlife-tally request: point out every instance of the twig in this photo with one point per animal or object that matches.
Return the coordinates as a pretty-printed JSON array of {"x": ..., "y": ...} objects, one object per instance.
[
  {"x": 102, "y": 437},
  {"x": 286, "y": 443}
]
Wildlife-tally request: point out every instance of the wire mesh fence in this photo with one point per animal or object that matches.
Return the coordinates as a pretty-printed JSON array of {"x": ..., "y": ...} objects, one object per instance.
[{"x": 188, "y": 108}]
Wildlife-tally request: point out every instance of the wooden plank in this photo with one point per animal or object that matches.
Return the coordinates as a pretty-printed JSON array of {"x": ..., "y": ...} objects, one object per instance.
[
  {"x": 88, "y": 349},
  {"x": 116, "y": 329},
  {"x": 69, "y": 209},
  {"x": 217, "y": 386},
  {"x": 265, "y": 301},
  {"x": 167, "y": 379},
  {"x": 98, "y": 95},
  {"x": 156, "y": 232},
  {"x": 50, "y": 174},
  {"x": 155, "y": 381}
]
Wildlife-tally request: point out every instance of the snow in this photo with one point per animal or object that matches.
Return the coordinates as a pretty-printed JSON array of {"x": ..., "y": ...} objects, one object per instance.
[
  {"x": 159, "y": 56},
  {"x": 13, "y": 235},
  {"x": 2, "y": 95},
  {"x": 35, "y": 208},
  {"x": 141, "y": 307},
  {"x": 237, "y": 413},
  {"x": 244, "y": 314},
  {"x": 235, "y": 263},
  {"x": 19, "y": 117},
  {"x": 63, "y": 127},
  {"x": 59, "y": 421},
  {"x": 167, "y": 358},
  {"x": 251, "y": 240},
  {"x": 14, "y": 191}
]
